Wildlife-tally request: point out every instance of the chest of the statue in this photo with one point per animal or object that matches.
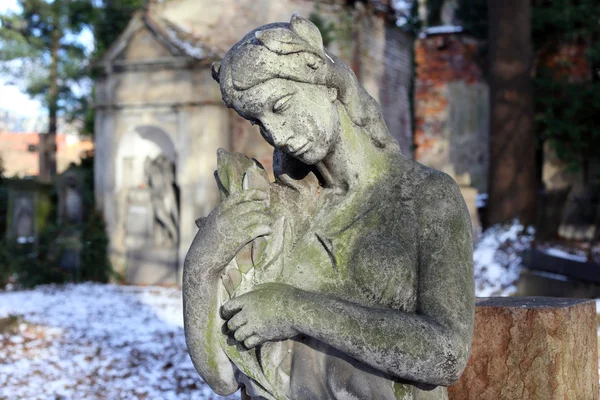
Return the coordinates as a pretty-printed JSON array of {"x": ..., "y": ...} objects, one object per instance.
[{"x": 372, "y": 260}]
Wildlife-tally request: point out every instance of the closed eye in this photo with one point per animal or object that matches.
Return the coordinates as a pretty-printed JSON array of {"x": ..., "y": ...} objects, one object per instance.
[{"x": 282, "y": 104}]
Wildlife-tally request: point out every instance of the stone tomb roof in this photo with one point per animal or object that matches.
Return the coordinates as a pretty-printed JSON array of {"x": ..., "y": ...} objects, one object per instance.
[
  {"x": 203, "y": 30},
  {"x": 178, "y": 43}
]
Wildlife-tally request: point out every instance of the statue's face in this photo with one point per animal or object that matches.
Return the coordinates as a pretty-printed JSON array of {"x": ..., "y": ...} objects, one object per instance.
[{"x": 298, "y": 118}]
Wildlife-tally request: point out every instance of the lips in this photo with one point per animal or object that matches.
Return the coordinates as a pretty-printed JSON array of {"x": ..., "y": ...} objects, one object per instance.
[{"x": 301, "y": 150}]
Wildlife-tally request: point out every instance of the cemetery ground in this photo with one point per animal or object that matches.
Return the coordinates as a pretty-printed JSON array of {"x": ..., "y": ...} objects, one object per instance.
[{"x": 95, "y": 341}]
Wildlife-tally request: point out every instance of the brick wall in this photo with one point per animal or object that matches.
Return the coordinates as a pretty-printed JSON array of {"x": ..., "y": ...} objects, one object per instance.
[
  {"x": 19, "y": 154},
  {"x": 451, "y": 108}
]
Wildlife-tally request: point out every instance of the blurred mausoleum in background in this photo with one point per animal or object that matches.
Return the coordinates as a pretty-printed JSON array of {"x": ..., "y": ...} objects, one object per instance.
[{"x": 160, "y": 118}]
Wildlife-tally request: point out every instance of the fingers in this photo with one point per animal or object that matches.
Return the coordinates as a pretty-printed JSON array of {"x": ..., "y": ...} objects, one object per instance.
[
  {"x": 253, "y": 341},
  {"x": 236, "y": 322},
  {"x": 254, "y": 218},
  {"x": 259, "y": 230},
  {"x": 250, "y": 207},
  {"x": 245, "y": 196},
  {"x": 230, "y": 308},
  {"x": 243, "y": 333},
  {"x": 253, "y": 225}
]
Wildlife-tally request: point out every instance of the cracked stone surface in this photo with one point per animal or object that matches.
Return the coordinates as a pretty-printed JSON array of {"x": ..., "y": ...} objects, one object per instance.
[{"x": 532, "y": 348}]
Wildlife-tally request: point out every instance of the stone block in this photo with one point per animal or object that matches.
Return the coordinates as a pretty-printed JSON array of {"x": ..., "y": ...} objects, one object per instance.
[{"x": 532, "y": 348}]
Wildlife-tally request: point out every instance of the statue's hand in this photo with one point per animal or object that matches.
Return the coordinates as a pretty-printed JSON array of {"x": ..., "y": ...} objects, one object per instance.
[
  {"x": 262, "y": 315},
  {"x": 239, "y": 219}
]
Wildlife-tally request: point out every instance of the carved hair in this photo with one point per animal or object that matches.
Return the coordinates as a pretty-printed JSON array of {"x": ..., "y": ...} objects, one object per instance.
[{"x": 255, "y": 59}]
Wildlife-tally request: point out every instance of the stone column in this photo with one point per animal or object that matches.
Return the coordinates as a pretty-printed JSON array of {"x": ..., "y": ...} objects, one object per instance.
[{"x": 532, "y": 348}]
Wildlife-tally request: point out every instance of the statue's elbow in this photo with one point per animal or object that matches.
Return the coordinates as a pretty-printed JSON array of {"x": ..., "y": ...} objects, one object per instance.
[
  {"x": 217, "y": 372},
  {"x": 220, "y": 385},
  {"x": 453, "y": 363},
  {"x": 224, "y": 388}
]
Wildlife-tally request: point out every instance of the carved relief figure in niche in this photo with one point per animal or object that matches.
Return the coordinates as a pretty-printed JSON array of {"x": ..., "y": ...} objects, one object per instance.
[
  {"x": 351, "y": 275},
  {"x": 73, "y": 202},
  {"x": 23, "y": 219},
  {"x": 160, "y": 175}
]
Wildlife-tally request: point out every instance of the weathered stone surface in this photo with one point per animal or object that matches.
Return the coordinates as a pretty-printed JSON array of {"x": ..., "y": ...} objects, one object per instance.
[
  {"x": 532, "y": 348},
  {"x": 351, "y": 275}
]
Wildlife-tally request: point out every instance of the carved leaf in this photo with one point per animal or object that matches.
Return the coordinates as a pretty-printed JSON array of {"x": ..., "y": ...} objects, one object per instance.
[
  {"x": 231, "y": 168},
  {"x": 307, "y": 31}
]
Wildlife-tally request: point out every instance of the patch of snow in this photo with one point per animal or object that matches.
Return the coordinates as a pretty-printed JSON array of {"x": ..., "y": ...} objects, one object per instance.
[
  {"x": 551, "y": 275},
  {"x": 441, "y": 30},
  {"x": 563, "y": 254},
  {"x": 187, "y": 47},
  {"x": 481, "y": 200},
  {"x": 93, "y": 341},
  {"x": 497, "y": 259},
  {"x": 25, "y": 239}
]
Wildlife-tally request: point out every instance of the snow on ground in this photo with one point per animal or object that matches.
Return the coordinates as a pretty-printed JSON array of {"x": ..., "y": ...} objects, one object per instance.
[
  {"x": 566, "y": 255},
  {"x": 93, "y": 341},
  {"x": 497, "y": 259}
]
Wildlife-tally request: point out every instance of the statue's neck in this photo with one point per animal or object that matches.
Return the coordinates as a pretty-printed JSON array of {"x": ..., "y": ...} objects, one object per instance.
[{"x": 354, "y": 161}]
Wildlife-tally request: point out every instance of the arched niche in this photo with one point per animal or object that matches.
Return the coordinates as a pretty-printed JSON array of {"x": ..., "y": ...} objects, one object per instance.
[
  {"x": 145, "y": 141},
  {"x": 148, "y": 196}
]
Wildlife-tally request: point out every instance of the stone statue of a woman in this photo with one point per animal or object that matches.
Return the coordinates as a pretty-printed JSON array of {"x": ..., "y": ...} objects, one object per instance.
[{"x": 350, "y": 276}]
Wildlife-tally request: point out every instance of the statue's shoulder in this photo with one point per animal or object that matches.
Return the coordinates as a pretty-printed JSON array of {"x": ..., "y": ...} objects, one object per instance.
[
  {"x": 439, "y": 184},
  {"x": 428, "y": 182},
  {"x": 424, "y": 188},
  {"x": 438, "y": 196}
]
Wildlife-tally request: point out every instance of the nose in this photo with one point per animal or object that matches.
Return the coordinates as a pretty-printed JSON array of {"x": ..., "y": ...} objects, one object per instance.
[{"x": 279, "y": 136}]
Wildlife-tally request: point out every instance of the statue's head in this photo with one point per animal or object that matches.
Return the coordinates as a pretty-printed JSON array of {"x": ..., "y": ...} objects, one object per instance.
[{"x": 280, "y": 77}]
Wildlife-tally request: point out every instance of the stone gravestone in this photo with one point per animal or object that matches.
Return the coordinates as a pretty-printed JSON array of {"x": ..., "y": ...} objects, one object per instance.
[
  {"x": 70, "y": 196},
  {"x": 23, "y": 216},
  {"x": 70, "y": 217},
  {"x": 351, "y": 275},
  {"x": 28, "y": 209}
]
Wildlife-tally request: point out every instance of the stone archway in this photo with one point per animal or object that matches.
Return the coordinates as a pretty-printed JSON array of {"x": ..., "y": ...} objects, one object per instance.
[
  {"x": 147, "y": 189},
  {"x": 145, "y": 141}
]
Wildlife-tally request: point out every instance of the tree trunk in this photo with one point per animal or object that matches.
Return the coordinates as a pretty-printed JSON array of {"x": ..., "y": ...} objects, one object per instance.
[
  {"x": 47, "y": 150},
  {"x": 513, "y": 184}
]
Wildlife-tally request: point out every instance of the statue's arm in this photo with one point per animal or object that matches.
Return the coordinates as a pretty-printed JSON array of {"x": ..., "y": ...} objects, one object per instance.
[
  {"x": 238, "y": 220},
  {"x": 429, "y": 346},
  {"x": 201, "y": 302}
]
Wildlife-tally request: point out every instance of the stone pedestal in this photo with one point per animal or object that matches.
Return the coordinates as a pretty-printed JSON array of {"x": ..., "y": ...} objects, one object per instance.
[
  {"x": 532, "y": 348},
  {"x": 152, "y": 266}
]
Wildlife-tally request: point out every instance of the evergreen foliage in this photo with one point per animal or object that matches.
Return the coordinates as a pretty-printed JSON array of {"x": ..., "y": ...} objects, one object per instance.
[
  {"x": 327, "y": 29},
  {"x": 40, "y": 50},
  {"x": 39, "y": 263},
  {"x": 110, "y": 20},
  {"x": 112, "y": 17},
  {"x": 565, "y": 108},
  {"x": 434, "y": 12},
  {"x": 95, "y": 265}
]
